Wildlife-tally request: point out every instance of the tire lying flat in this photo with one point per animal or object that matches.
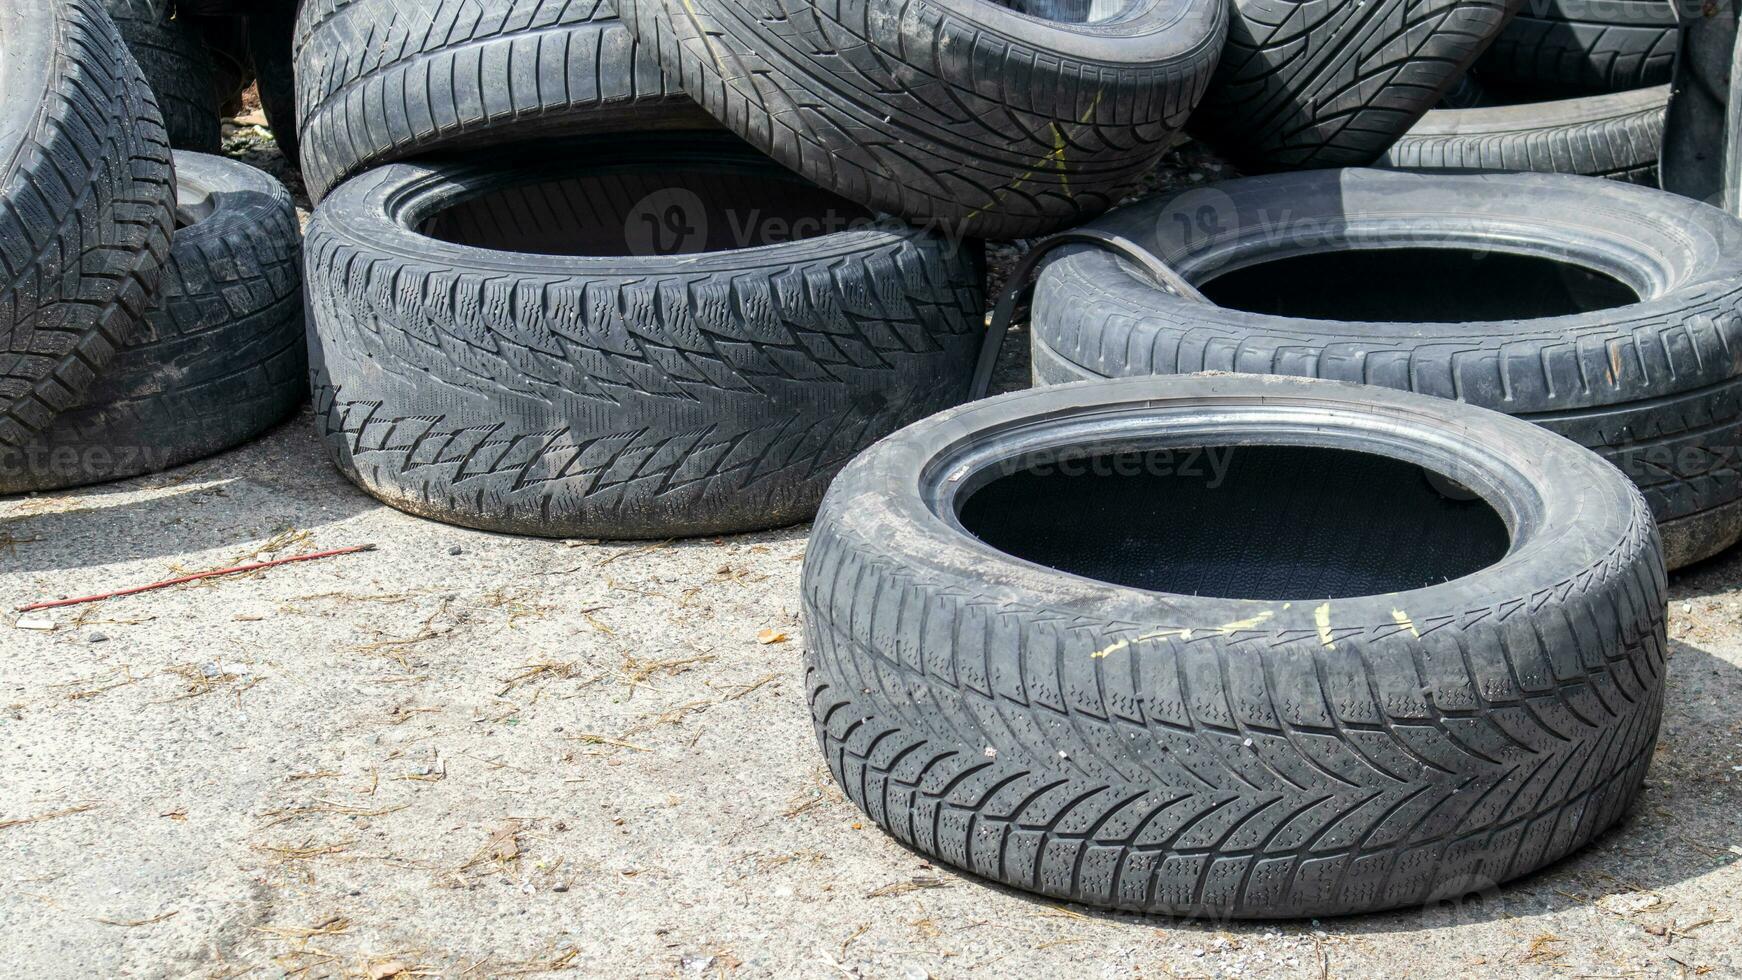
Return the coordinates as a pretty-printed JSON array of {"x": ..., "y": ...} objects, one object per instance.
[
  {"x": 1650, "y": 384},
  {"x": 595, "y": 389},
  {"x": 177, "y": 66},
  {"x": 88, "y": 198},
  {"x": 1255, "y": 756},
  {"x": 1306, "y": 85},
  {"x": 985, "y": 119},
  {"x": 1616, "y": 135},
  {"x": 452, "y": 75},
  {"x": 222, "y": 356},
  {"x": 1585, "y": 46}
]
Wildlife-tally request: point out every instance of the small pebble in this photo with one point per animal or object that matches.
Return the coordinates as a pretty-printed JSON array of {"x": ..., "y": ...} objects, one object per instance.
[
  {"x": 456, "y": 550},
  {"x": 97, "y": 638}
]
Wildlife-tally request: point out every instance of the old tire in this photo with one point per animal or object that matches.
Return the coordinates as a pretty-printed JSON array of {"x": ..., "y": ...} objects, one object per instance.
[
  {"x": 1309, "y": 84},
  {"x": 1585, "y": 46},
  {"x": 1650, "y": 383},
  {"x": 973, "y": 116},
  {"x": 182, "y": 75},
  {"x": 589, "y": 391},
  {"x": 222, "y": 357},
  {"x": 1203, "y": 743},
  {"x": 1615, "y": 135},
  {"x": 86, "y": 205},
  {"x": 384, "y": 80}
]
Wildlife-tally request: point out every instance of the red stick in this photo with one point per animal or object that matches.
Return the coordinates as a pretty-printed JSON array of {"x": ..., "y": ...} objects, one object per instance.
[{"x": 166, "y": 583}]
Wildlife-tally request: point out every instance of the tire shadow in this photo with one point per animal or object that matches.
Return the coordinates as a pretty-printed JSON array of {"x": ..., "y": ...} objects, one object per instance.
[{"x": 280, "y": 481}]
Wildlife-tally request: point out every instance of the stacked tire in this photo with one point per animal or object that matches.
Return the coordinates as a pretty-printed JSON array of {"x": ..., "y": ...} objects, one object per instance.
[
  {"x": 146, "y": 300},
  {"x": 1569, "y": 86},
  {"x": 616, "y": 336}
]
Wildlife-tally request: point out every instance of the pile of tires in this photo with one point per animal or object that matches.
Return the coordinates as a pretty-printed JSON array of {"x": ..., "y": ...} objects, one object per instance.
[
  {"x": 1323, "y": 571},
  {"x": 573, "y": 273},
  {"x": 149, "y": 303}
]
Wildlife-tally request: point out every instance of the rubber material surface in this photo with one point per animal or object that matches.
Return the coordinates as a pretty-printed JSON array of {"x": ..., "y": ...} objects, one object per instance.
[
  {"x": 988, "y": 121},
  {"x": 383, "y": 80},
  {"x": 601, "y": 389},
  {"x": 86, "y": 199},
  {"x": 1236, "y": 757},
  {"x": 1331, "y": 83},
  {"x": 1652, "y": 385},
  {"x": 181, "y": 73},
  {"x": 1614, "y": 135},
  {"x": 1585, "y": 46},
  {"x": 221, "y": 358}
]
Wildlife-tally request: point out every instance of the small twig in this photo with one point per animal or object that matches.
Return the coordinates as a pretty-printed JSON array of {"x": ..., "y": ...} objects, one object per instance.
[{"x": 166, "y": 583}]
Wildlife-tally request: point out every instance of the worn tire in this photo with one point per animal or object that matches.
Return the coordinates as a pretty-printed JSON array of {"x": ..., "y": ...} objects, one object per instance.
[
  {"x": 1585, "y": 46},
  {"x": 1654, "y": 386},
  {"x": 1614, "y": 135},
  {"x": 969, "y": 115},
  {"x": 222, "y": 357},
  {"x": 606, "y": 393},
  {"x": 1305, "y": 83},
  {"x": 182, "y": 75},
  {"x": 1249, "y": 758},
  {"x": 86, "y": 205},
  {"x": 384, "y": 80}
]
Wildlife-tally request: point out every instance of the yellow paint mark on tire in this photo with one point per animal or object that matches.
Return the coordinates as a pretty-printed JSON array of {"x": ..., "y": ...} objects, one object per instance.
[
  {"x": 1402, "y": 619},
  {"x": 1322, "y": 616}
]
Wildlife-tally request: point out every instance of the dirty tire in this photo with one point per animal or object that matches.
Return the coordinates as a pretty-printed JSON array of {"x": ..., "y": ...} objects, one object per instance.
[
  {"x": 602, "y": 389},
  {"x": 86, "y": 205},
  {"x": 1176, "y": 753},
  {"x": 1652, "y": 386},
  {"x": 182, "y": 75},
  {"x": 221, "y": 358},
  {"x": 1616, "y": 135},
  {"x": 1573, "y": 46},
  {"x": 1332, "y": 84},
  {"x": 453, "y": 75},
  {"x": 972, "y": 115}
]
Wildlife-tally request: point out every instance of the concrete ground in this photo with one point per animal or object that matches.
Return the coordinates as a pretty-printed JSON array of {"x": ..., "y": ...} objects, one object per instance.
[{"x": 465, "y": 754}]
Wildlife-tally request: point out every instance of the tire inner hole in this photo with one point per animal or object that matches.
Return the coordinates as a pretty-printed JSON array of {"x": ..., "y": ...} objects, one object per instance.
[
  {"x": 644, "y": 212},
  {"x": 1238, "y": 522},
  {"x": 1417, "y": 285}
]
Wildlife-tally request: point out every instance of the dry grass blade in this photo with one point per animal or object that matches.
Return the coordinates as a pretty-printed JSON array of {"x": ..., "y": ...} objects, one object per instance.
[
  {"x": 133, "y": 923},
  {"x": 51, "y": 815},
  {"x": 904, "y": 887},
  {"x": 276, "y": 817},
  {"x": 332, "y": 927}
]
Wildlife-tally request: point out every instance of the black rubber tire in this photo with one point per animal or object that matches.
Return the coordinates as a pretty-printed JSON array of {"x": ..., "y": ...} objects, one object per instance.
[
  {"x": 86, "y": 205},
  {"x": 182, "y": 76},
  {"x": 1234, "y": 758},
  {"x": 270, "y": 27},
  {"x": 1654, "y": 386},
  {"x": 963, "y": 114},
  {"x": 1332, "y": 84},
  {"x": 603, "y": 394},
  {"x": 1585, "y": 46},
  {"x": 222, "y": 358},
  {"x": 452, "y": 75},
  {"x": 1615, "y": 135}
]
